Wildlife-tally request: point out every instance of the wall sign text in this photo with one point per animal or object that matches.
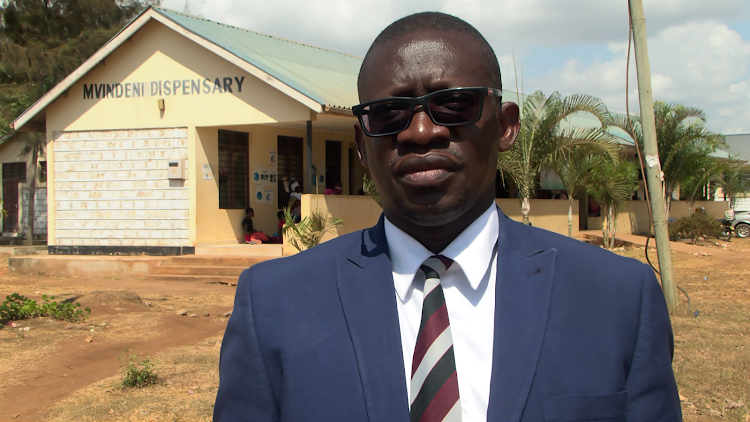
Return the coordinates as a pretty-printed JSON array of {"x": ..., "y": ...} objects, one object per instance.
[{"x": 163, "y": 88}]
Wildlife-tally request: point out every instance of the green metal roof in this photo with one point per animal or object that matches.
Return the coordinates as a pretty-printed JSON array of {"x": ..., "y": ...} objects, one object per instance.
[{"x": 326, "y": 76}]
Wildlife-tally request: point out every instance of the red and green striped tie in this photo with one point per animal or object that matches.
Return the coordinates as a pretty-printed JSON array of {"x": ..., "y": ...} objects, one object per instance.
[{"x": 434, "y": 383}]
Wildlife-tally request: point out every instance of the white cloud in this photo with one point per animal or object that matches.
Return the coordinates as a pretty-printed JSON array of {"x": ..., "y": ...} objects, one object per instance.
[
  {"x": 700, "y": 64},
  {"x": 351, "y": 26},
  {"x": 696, "y": 59}
]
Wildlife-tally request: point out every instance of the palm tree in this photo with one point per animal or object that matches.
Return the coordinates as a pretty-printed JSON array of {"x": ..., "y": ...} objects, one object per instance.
[
  {"x": 734, "y": 178},
  {"x": 575, "y": 169},
  {"x": 34, "y": 146},
  {"x": 611, "y": 185},
  {"x": 309, "y": 231},
  {"x": 543, "y": 138},
  {"x": 708, "y": 168},
  {"x": 683, "y": 141}
]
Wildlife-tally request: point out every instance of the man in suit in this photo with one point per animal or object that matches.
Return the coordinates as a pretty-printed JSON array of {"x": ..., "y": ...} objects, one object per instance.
[{"x": 446, "y": 310}]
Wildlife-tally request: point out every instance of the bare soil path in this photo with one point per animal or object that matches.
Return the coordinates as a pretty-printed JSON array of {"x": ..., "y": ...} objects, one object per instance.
[
  {"x": 52, "y": 372},
  {"x": 55, "y": 359}
]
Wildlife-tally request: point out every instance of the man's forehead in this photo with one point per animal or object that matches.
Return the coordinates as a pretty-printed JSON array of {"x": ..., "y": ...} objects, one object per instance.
[{"x": 426, "y": 55}]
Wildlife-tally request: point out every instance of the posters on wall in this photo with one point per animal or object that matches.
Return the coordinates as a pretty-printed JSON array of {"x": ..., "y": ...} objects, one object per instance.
[
  {"x": 258, "y": 193},
  {"x": 265, "y": 180},
  {"x": 206, "y": 170}
]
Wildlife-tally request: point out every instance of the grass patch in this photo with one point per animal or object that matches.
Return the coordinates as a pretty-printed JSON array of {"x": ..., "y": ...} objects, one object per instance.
[
  {"x": 137, "y": 373},
  {"x": 17, "y": 307}
]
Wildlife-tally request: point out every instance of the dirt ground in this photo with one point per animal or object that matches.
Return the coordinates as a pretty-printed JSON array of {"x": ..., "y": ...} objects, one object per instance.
[{"x": 59, "y": 371}]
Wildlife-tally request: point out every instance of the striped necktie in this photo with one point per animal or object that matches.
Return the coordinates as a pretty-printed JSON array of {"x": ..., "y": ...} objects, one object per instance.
[{"x": 434, "y": 383}]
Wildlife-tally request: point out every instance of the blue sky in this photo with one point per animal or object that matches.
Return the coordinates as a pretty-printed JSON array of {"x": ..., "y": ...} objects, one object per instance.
[{"x": 699, "y": 49}]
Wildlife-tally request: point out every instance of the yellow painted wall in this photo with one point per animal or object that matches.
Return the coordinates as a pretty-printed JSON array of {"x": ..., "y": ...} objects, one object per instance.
[
  {"x": 156, "y": 53},
  {"x": 635, "y": 220},
  {"x": 360, "y": 212},
  {"x": 548, "y": 214},
  {"x": 215, "y": 225}
]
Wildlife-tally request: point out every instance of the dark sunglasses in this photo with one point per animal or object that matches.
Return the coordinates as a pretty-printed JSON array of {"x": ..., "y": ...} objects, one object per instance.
[{"x": 448, "y": 107}]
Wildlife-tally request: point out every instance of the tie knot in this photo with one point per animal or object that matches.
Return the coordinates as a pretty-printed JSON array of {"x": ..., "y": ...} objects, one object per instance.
[{"x": 436, "y": 265}]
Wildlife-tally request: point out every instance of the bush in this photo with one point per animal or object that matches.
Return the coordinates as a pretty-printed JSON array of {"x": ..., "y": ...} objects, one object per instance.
[
  {"x": 137, "y": 373},
  {"x": 18, "y": 307},
  {"x": 699, "y": 225}
]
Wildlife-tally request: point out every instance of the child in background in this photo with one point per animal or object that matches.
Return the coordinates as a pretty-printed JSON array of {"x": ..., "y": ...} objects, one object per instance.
[
  {"x": 251, "y": 235},
  {"x": 279, "y": 238}
]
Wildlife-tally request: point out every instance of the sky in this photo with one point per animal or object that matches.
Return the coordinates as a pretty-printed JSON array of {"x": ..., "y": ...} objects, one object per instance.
[{"x": 699, "y": 50}]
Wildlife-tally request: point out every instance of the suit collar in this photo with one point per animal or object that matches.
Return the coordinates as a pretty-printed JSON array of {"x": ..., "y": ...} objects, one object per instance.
[
  {"x": 365, "y": 285},
  {"x": 525, "y": 272}
]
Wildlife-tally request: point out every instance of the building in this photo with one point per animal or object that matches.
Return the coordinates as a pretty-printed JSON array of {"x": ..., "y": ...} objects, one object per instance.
[
  {"x": 162, "y": 138},
  {"x": 15, "y": 173},
  {"x": 159, "y": 141},
  {"x": 739, "y": 146}
]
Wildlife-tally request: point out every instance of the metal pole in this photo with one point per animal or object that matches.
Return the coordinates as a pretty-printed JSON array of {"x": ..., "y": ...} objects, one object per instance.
[
  {"x": 310, "y": 185},
  {"x": 651, "y": 150}
]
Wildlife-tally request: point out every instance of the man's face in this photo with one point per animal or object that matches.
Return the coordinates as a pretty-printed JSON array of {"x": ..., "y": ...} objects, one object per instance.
[{"x": 430, "y": 175}]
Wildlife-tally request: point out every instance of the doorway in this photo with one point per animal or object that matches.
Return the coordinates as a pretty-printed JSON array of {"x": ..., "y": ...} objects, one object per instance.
[{"x": 13, "y": 174}]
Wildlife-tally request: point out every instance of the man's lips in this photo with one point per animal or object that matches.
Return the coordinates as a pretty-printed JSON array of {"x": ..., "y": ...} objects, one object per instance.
[{"x": 426, "y": 170}]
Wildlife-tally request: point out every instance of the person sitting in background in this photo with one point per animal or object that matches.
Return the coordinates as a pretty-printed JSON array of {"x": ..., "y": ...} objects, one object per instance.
[
  {"x": 251, "y": 235},
  {"x": 278, "y": 238}
]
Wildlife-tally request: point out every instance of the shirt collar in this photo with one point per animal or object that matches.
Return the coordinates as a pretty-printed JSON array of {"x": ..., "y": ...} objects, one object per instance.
[{"x": 472, "y": 250}]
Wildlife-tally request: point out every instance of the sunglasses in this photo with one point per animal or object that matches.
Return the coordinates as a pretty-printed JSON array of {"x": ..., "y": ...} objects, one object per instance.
[{"x": 448, "y": 107}]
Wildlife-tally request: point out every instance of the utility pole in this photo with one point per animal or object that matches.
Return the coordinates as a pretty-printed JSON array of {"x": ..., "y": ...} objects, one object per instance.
[{"x": 651, "y": 150}]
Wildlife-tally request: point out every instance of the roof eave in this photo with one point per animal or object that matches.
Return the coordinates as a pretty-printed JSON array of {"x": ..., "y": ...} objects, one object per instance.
[
  {"x": 137, "y": 23},
  {"x": 83, "y": 69}
]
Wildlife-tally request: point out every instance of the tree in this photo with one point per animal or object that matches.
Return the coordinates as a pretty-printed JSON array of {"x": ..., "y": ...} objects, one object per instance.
[
  {"x": 692, "y": 188},
  {"x": 41, "y": 42},
  {"x": 309, "y": 231},
  {"x": 611, "y": 185},
  {"x": 575, "y": 169},
  {"x": 733, "y": 178},
  {"x": 683, "y": 141},
  {"x": 34, "y": 146},
  {"x": 543, "y": 138}
]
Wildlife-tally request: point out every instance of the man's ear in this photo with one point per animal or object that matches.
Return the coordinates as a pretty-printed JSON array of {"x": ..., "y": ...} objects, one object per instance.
[
  {"x": 359, "y": 137},
  {"x": 510, "y": 123}
]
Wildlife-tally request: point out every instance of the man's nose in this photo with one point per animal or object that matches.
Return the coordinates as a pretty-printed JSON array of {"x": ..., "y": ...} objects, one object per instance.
[{"x": 422, "y": 130}]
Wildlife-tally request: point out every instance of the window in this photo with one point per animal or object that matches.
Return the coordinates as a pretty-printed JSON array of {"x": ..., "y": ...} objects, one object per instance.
[
  {"x": 14, "y": 171},
  {"x": 333, "y": 164},
  {"x": 233, "y": 170},
  {"x": 289, "y": 165},
  {"x": 42, "y": 172}
]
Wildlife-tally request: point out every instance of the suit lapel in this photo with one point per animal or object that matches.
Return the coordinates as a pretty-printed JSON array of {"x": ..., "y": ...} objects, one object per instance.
[
  {"x": 522, "y": 296},
  {"x": 365, "y": 284}
]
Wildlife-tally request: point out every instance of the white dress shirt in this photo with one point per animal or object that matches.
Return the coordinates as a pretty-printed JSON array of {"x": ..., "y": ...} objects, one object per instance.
[{"x": 469, "y": 288}]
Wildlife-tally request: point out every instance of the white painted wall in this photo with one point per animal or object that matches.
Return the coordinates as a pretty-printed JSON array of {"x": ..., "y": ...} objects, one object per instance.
[{"x": 111, "y": 188}]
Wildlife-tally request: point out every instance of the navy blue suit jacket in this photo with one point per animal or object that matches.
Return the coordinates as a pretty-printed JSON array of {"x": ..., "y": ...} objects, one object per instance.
[{"x": 581, "y": 334}]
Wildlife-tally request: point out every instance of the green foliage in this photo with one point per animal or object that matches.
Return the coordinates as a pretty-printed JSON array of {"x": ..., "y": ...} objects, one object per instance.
[
  {"x": 310, "y": 230},
  {"x": 695, "y": 186},
  {"x": 683, "y": 141},
  {"x": 41, "y": 42},
  {"x": 733, "y": 178},
  {"x": 546, "y": 137},
  {"x": 137, "y": 373},
  {"x": 611, "y": 184},
  {"x": 369, "y": 187},
  {"x": 694, "y": 227},
  {"x": 576, "y": 169},
  {"x": 17, "y": 307}
]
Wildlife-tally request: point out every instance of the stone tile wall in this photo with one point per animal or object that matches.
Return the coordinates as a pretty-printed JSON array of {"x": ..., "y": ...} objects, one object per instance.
[
  {"x": 40, "y": 210},
  {"x": 111, "y": 188}
]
